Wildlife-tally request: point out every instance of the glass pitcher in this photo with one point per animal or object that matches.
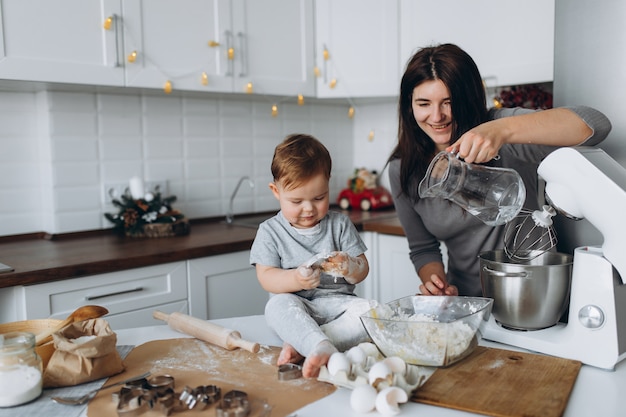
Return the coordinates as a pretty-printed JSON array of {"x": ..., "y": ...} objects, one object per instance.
[{"x": 494, "y": 195}]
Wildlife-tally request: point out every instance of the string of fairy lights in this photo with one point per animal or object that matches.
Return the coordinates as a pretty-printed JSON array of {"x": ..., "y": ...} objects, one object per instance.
[{"x": 329, "y": 67}]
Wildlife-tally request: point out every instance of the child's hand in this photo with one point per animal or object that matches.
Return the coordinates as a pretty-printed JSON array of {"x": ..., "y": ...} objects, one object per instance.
[
  {"x": 344, "y": 265},
  {"x": 308, "y": 277}
]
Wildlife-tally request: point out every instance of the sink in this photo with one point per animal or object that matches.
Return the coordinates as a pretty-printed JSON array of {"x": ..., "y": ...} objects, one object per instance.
[{"x": 251, "y": 221}]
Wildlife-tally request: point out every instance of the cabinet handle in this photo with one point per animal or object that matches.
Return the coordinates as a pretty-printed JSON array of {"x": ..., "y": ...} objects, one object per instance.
[
  {"x": 243, "y": 53},
  {"x": 111, "y": 294},
  {"x": 112, "y": 21},
  {"x": 325, "y": 57},
  {"x": 230, "y": 53}
]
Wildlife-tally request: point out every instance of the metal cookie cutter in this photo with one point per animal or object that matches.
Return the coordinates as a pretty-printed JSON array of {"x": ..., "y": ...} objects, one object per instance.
[
  {"x": 234, "y": 404},
  {"x": 132, "y": 402},
  {"x": 201, "y": 396},
  {"x": 140, "y": 396},
  {"x": 161, "y": 384},
  {"x": 289, "y": 371}
]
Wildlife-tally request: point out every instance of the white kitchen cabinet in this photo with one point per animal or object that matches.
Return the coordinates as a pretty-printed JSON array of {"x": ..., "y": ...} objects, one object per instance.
[
  {"x": 220, "y": 45},
  {"x": 511, "y": 42},
  {"x": 224, "y": 286},
  {"x": 274, "y": 46},
  {"x": 395, "y": 274},
  {"x": 362, "y": 40},
  {"x": 130, "y": 296},
  {"x": 177, "y": 42},
  {"x": 275, "y": 43},
  {"x": 60, "y": 41}
]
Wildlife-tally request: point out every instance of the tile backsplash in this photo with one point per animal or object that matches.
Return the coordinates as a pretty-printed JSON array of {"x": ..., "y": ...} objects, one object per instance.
[{"x": 59, "y": 149}]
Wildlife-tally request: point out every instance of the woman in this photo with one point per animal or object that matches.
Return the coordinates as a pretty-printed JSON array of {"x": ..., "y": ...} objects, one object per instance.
[{"x": 442, "y": 108}]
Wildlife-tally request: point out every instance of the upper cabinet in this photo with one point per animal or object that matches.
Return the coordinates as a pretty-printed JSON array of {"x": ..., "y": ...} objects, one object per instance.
[
  {"x": 236, "y": 46},
  {"x": 512, "y": 42},
  {"x": 357, "y": 48},
  {"x": 60, "y": 41},
  {"x": 316, "y": 48}
]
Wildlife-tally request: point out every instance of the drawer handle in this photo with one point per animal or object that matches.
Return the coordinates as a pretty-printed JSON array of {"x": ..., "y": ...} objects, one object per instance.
[{"x": 111, "y": 294}]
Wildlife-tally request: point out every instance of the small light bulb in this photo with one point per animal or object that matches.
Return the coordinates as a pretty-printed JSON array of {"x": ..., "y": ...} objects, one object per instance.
[
  {"x": 333, "y": 83},
  {"x": 370, "y": 136},
  {"x": 300, "y": 100},
  {"x": 249, "y": 88},
  {"x": 213, "y": 44},
  {"x": 317, "y": 72},
  {"x": 132, "y": 57},
  {"x": 326, "y": 54},
  {"x": 167, "y": 87},
  {"x": 108, "y": 23},
  {"x": 351, "y": 112},
  {"x": 274, "y": 110},
  {"x": 205, "y": 78},
  {"x": 231, "y": 53}
]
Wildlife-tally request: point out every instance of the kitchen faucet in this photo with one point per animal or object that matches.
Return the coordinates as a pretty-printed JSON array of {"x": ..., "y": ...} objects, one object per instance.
[{"x": 230, "y": 216}]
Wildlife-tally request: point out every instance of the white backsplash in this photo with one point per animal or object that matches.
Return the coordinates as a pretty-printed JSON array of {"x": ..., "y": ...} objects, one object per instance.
[{"x": 59, "y": 149}]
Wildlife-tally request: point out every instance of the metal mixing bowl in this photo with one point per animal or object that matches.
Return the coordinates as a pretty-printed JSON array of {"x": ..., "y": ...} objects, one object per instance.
[
  {"x": 428, "y": 330},
  {"x": 527, "y": 295}
]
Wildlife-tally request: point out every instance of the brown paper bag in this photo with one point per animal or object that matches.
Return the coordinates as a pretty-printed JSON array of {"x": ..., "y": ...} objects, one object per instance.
[{"x": 85, "y": 351}]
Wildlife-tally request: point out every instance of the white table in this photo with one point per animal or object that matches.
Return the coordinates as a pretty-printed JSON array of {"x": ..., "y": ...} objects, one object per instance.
[{"x": 596, "y": 392}]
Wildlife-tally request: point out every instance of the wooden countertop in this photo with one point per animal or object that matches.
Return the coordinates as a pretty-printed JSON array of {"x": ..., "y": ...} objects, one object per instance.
[{"x": 37, "y": 258}]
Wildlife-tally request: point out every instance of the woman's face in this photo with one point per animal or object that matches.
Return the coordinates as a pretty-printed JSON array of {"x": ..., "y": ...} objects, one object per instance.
[{"x": 433, "y": 112}]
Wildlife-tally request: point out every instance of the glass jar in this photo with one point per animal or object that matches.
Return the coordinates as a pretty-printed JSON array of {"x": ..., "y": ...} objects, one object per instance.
[{"x": 20, "y": 369}]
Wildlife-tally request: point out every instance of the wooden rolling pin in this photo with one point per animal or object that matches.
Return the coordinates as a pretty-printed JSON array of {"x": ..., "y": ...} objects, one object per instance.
[{"x": 204, "y": 330}]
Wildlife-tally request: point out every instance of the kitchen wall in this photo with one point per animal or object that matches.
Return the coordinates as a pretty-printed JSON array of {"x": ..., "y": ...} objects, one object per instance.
[
  {"x": 60, "y": 148},
  {"x": 589, "y": 64}
]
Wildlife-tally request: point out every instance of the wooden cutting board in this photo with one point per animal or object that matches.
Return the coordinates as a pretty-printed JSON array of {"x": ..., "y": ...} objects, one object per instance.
[
  {"x": 193, "y": 362},
  {"x": 503, "y": 383}
]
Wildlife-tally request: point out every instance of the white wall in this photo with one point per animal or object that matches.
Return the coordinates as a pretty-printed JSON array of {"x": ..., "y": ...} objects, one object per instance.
[
  {"x": 58, "y": 149},
  {"x": 589, "y": 68}
]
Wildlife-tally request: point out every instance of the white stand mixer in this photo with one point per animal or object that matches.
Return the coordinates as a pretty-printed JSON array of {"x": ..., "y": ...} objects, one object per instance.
[{"x": 585, "y": 182}]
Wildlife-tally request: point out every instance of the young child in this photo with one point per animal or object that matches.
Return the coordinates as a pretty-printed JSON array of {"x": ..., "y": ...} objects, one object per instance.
[{"x": 310, "y": 258}]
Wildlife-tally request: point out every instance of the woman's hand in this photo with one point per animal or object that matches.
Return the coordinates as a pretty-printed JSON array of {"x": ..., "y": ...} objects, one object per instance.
[
  {"x": 438, "y": 286},
  {"x": 480, "y": 144}
]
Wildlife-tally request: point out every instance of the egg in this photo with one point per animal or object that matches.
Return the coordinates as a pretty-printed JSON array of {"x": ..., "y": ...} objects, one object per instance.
[
  {"x": 370, "y": 349},
  {"x": 388, "y": 399},
  {"x": 338, "y": 362},
  {"x": 357, "y": 356},
  {"x": 396, "y": 364},
  {"x": 363, "y": 398},
  {"x": 379, "y": 372}
]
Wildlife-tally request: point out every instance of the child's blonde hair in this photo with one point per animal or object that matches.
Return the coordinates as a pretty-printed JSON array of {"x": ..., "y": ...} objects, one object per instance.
[{"x": 299, "y": 158}]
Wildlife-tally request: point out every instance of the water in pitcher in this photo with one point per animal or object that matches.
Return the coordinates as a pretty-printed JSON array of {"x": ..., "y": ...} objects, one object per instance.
[{"x": 493, "y": 195}]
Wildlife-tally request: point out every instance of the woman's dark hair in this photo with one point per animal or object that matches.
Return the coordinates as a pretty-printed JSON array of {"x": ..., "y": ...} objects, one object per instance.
[{"x": 458, "y": 71}]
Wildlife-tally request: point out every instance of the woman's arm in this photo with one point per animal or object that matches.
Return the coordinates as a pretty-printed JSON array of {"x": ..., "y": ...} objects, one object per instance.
[{"x": 554, "y": 127}]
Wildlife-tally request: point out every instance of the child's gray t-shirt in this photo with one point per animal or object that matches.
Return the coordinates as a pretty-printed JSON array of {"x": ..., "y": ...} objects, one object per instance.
[{"x": 278, "y": 244}]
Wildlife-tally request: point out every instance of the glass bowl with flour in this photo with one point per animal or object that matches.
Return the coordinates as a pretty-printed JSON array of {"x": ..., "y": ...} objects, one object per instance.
[{"x": 428, "y": 330}]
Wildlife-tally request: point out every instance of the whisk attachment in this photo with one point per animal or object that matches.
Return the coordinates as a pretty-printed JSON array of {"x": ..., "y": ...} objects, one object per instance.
[{"x": 530, "y": 234}]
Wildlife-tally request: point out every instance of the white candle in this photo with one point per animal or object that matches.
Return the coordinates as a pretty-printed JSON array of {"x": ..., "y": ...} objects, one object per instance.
[{"x": 136, "y": 188}]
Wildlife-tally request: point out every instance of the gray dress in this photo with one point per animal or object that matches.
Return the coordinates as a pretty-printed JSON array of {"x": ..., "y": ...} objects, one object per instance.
[{"x": 429, "y": 221}]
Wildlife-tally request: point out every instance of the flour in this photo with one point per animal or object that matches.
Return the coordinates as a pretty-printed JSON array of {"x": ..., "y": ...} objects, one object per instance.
[
  {"x": 82, "y": 339},
  {"x": 19, "y": 385},
  {"x": 421, "y": 340}
]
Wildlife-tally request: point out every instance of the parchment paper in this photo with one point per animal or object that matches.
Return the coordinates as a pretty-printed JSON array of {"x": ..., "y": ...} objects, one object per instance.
[{"x": 193, "y": 362}]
